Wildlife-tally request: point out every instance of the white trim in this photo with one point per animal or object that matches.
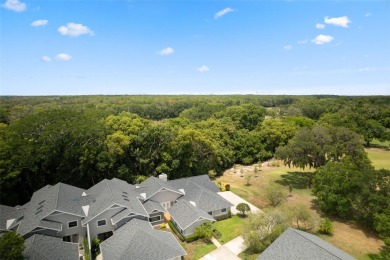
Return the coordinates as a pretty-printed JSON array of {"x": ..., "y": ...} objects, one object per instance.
[
  {"x": 9, "y": 223},
  {"x": 77, "y": 223},
  {"x": 85, "y": 209},
  {"x": 105, "y": 223},
  {"x": 62, "y": 212}
]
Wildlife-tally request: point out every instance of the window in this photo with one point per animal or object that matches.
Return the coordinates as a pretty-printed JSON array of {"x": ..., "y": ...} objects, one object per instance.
[
  {"x": 66, "y": 239},
  {"x": 223, "y": 210},
  {"x": 72, "y": 224},
  {"x": 101, "y": 223},
  {"x": 154, "y": 219}
]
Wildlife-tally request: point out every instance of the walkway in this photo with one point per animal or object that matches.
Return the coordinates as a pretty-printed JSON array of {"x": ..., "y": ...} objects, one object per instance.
[
  {"x": 229, "y": 251},
  {"x": 233, "y": 198}
]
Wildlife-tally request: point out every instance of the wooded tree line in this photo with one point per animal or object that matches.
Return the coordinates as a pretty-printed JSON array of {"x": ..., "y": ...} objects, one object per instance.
[{"x": 82, "y": 140}]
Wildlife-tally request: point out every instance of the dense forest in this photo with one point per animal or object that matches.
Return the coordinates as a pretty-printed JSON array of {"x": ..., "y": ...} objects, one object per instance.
[{"x": 81, "y": 140}]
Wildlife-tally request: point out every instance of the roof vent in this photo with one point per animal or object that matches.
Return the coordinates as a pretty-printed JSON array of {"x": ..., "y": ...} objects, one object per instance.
[
  {"x": 84, "y": 194},
  {"x": 193, "y": 203},
  {"x": 182, "y": 191},
  {"x": 163, "y": 177}
]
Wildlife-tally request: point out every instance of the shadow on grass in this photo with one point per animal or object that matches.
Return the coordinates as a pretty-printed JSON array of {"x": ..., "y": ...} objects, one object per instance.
[
  {"x": 298, "y": 180},
  {"x": 379, "y": 146}
]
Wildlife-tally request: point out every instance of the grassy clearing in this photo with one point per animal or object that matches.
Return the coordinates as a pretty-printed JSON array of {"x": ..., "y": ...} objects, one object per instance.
[
  {"x": 230, "y": 228},
  {"x": 348, "y": 236},
  {"x": 201, "y": 249},
  {"x": 380, "y": 157}
]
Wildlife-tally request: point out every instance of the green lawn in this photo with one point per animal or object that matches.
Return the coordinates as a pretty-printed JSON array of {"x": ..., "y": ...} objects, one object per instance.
[
  {"x": 380, "y": 158},
  {"x": 230, "y": 228},
  {"x": 203, "y": 249}
]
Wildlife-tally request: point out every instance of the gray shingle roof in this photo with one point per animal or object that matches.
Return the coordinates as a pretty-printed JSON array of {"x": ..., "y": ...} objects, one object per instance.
[
  {"x": 202, "y": 180},
  {"x": 138, "y": 240},
  {"x": 151, "y": 206},
  {"x": 6, "y": 213},
  {"x": 152, "y": 185},
  {"x": 60, "y": 197},
  {"x": 184, "y": 214},
  {"x": 40, "y": 247},
  {"x": 204, "y": 198},
  {"x": 113, "y": 192},
  {"x": 296, "y": 244}
]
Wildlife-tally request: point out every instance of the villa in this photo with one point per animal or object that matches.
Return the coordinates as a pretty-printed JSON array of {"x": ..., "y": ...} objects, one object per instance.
[{"x": 58, "y": 218}]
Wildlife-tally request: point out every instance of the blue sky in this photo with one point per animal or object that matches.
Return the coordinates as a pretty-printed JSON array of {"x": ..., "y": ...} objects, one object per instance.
[{"x": 194, "y": 47}]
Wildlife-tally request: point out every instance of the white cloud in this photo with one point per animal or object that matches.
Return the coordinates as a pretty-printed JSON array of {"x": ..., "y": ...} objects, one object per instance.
[
  {"x": 368, "y": 14},
  {"x": 223, "y": 12},
  {"x": 74, "y": 30},
  {"x": 320, "y": 26},
  {"x": 39, "y": 23},
  {"x": 14, "y": 5},
  {"x": 46, "y": 59},
  {"x": 303, "y": 41},
  {"x": 287, "y": 47},
  {"x": 321, "y": 39},
  {"x": 63, "y": 57},
  {"x": 203, "y": 69},
  {"x": 342, "y": 21},
  {"x": 167, "y": 51}
]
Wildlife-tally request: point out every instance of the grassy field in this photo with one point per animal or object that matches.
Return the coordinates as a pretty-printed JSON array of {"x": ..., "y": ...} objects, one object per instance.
[
  {"x": 230, "y": 228},
  {"x": 348, "y": 236}
]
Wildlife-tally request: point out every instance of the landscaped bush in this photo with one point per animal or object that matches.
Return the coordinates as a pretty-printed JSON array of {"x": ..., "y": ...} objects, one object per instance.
[
  {"x": 163, "y": 225},
  {"x": 216, "y": 233},
  {"x": 173, "y": 228},
  {"x": 227, "y": 187},
  {"x": 326, "y": 227},
  {"x": 86, "y": 248}
]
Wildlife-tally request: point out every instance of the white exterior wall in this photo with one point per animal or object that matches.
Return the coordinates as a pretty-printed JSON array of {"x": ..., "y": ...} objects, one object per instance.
[
  {"x": 64, "y": 218},
  {"x": 217, "y": 213},
  {"x": 94, "y": 230},
  {"x": 164, "y": 196},
  {"x": 191, "y": 229}
]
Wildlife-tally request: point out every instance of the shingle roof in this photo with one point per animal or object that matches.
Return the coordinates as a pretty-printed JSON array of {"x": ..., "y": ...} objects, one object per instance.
[
  {"x": 152, "y": 185},
  {"x": 40, "y": 247},
  {"x": 151, "y": 206},
  {"x": 113, "y": 192},
  {"x": 138, "y": 240},
  {"x": 60, "y": 197},
  {"x": 6, "y": 213},
  {"x": 202, "y": 180},
  {"x": 296, "y": 244},
  {"x": 184, "y": 213},
  {"x": 204, "y": 198}
]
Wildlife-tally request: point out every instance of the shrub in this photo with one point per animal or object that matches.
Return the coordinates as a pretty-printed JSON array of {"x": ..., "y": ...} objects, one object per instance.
[
  {"x": 227, "y": 187},
  {"x": 178, "y": 234},
  {"x": 326, "y": 227},
  {"x": 204, "y": 231},
  {"x": 216, "y": 233},
  {"x": 86, "y": 248},
  {"x": 163, "y": 225}
]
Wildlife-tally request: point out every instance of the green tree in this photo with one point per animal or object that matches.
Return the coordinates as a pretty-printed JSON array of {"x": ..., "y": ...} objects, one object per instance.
[
  {"x": 275, "y": 195},
  {"x": 11, "y": 246},
  {"x": 301, "y": 217},
  {"x": 204, "y": 231},
  {"x": 243, "y": 207},
  {"x": 319, "y": 145},
  {"x": 262, "y": 228},
  {"x": 337, "y": 186},
  {"x": 276, "y": 132}
]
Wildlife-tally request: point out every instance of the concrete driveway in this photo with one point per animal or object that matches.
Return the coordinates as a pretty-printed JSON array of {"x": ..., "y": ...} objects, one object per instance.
[
  {"x": 233, "y": 198},
  {"x": 228, "y": 251}
]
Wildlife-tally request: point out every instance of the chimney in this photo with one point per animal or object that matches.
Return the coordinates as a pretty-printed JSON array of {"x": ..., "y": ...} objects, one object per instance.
[{"x": 163, "y": 177}]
